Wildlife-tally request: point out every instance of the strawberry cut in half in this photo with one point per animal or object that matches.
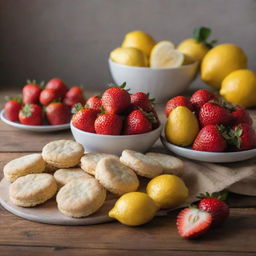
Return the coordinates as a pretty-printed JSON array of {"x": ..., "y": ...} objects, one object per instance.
[{"x": 192, "y": 222}]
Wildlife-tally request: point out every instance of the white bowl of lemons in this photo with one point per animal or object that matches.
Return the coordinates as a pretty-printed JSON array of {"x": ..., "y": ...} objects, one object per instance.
[{"x": 156, "y": 68}]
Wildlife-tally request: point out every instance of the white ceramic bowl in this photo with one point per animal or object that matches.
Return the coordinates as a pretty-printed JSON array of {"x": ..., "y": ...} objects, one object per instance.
[
  {"x": 161, "y": 83},
  {"x": 115, "y": 144}
]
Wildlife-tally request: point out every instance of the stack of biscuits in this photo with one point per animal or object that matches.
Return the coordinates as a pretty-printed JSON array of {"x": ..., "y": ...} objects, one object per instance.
[{"x": 81, "y": 181}]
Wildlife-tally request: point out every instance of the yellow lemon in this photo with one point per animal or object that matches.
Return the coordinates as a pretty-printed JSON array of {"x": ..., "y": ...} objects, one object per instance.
[
  {"x": 139, "y": 40},
  {"x": 163, "y": 55},
  {"x": 129, "y": 56},
  {"x": 221, "y": 61},
  {"x": 193, "y": 48},
  {"x": 134, "y": 209},
  {"x": 168, "y": 191},
  {"x": 181, "y": 127},
  {"x": 239, "y": 88}
]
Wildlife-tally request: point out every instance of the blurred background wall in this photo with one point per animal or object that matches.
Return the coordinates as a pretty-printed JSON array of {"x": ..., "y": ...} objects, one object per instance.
[{"x": 71, "y": 39}]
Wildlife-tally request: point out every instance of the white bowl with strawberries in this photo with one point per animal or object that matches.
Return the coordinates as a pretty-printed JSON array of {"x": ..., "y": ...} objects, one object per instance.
[
  {"x": 207, "y": 128},
  {"x": 116, "y": 121}
]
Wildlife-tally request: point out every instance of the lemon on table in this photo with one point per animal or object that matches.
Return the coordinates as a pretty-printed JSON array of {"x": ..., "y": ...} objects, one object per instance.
[
  {"x": 129, "y": 56},
  {"x": 220, "y": 62},
  {"x": 134, "y": 209},
  {"x": 168, "y": 191},
  {"x": 164, "y": 55},
  {"x": 139, "y": 40},
  {"x": 181, "y": 127},
  {"x": 239, "y": 88}
]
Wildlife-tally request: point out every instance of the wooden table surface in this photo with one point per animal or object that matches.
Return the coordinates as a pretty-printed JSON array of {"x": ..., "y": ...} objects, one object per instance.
[{"x": 159, "y": 237}]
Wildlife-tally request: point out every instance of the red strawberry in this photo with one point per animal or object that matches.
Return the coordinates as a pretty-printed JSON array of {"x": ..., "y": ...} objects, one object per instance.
[
  {"x": 94, "y": 102},
  {"x": 84, "y": 119},
  {"x": 12, "y": 108},
  {"x": 213, "y": 113},
  {"x": 109, "y": 124},
  {"x": 141, "y": 100},
  {"x": 57, "y": 113},
  {"x": 192, "y": 222},
  {"x": 137, "y": 122},
  {"x": 200, "y": 97},
  {"x": 175, "y": 102},
  {"x": 210, "y": 139},
  {"x": 48, "y": 95},
  {"x": 243, "y": 137},
  {"x": 31, "y": 114},
  {"x": 73, "y": 96},
  {"x": 31, "y": 93},
  {"x": 57, "y": 85},
  {"x": 241, "y": 116},
  {"x": 116, "y": 100},
  {"x": 216, "y": 207}
]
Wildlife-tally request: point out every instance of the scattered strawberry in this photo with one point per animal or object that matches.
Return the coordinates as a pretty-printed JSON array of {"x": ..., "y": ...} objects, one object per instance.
[
  {"x": 73, "y": 96},
  {"x": 137, "y": 122},
  {"x": 31, "y": 114},
  {"x": 84, "y": 119},
  {"x": 12, "y": 108},
  {"x": 243, "y": 137},
  {"x": 57, "y": 113},
  {"x": 218, "y": 209},
  {"x": 200, "y": 97},
  {"x": 108, "y": 124},
  {"x": 31, "y": 92},
  {"x": 175, "y": 102},
  {"x": 213, "y": 113},
  {"x": 48, "y": 95},
  {"x": 141, "y": 100},
  {"x": 94, "y": 102},
  {"x": 241, "y": 116},
  {"x": 192, "y": 222},
  {"x": 211, "y": 139},
  {"x": 57, "y": 85},
  {"x": 116, "y": 100}
]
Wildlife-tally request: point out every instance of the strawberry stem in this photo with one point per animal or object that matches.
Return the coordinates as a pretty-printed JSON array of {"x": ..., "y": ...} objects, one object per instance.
[{"x": 201, "y": 34}]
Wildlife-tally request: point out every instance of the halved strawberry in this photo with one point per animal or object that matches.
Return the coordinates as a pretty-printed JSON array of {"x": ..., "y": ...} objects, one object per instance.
[{"x": 192, "y": 222}]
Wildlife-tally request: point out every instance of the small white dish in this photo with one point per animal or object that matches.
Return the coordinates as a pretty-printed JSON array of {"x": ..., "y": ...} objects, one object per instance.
[
  {"x": 161, "y": 83},
  {"x": 213, "y": 157},
  {"x": 115, "y": 144},
  {"x": 34, "y": 128}
]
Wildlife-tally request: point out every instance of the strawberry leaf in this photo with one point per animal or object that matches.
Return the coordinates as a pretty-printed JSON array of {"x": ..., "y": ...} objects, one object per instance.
[
  {"x": 77, "y": 107},
  {"x": 201, "y": 34},
  {"x": 218, "y": 195},
  {"x": 122, "y": 86}
]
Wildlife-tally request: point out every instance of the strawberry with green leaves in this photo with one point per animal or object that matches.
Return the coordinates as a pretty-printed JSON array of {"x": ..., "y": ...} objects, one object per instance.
[
  {"x": 31, "y": 114},
  {"x": 94, "y": 102},
  {"x": 31, "y": 92},
  {"x": 49, "y": 95},
  {"x": 57, "y": 113},
  {"x": 142, "y": 100},
  {"x": 175, "y": 102},
  {"x": 12, "y": 108}
]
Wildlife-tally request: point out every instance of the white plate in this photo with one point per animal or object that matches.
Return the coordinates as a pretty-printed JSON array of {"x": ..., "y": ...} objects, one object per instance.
[
  {"x": 34, "y": 128},
  {"x": 225, "y": 157}
]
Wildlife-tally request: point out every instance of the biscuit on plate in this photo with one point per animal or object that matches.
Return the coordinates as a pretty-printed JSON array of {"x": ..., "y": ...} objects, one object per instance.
[
  {"x": 63, "y": 153},
  {"x": 63, "y": 176},
  {"x": 170, "y": 164},
  {"x": 143, "y": 165},
  {"x": 80, "y": 197},
  {"x": 32, "y": 189},
  {"x": 115, "y": 176},
  {"x": 24, "y": 165},
  {"x": 90, "y": 160}
]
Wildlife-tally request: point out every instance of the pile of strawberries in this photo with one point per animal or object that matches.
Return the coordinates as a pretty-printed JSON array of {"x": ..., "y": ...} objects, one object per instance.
[
  {"x": 116, "y": 112},
  {"x": 50, "y": 104},
  {"x": 224, "y": 127}
]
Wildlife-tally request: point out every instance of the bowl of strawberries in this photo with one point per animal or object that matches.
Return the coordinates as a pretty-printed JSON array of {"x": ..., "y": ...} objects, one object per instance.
[
  {"x": 225, "y": 132},
  {"x": 116, "y": 121},
  {"x": 42, "y": 108}
]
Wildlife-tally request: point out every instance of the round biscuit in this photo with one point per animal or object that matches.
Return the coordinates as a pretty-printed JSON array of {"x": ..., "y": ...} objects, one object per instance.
[
  {"x": 115, "y": 176},
  {"x": 80, "y": 197},
  {"x": 89, "y": 161},
  {"x": 63, "y": 176},
  {"x": 24, "y": 165},
  {"x": 143, "y": 165},
  {"x": 32, "y": 189},
  {"x": 170, "y": 164},
  {"x": 62, "y": 153}
]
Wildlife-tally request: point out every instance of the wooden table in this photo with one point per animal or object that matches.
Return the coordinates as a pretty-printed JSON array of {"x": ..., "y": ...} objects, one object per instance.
[{"x": 159, "y": 237}]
